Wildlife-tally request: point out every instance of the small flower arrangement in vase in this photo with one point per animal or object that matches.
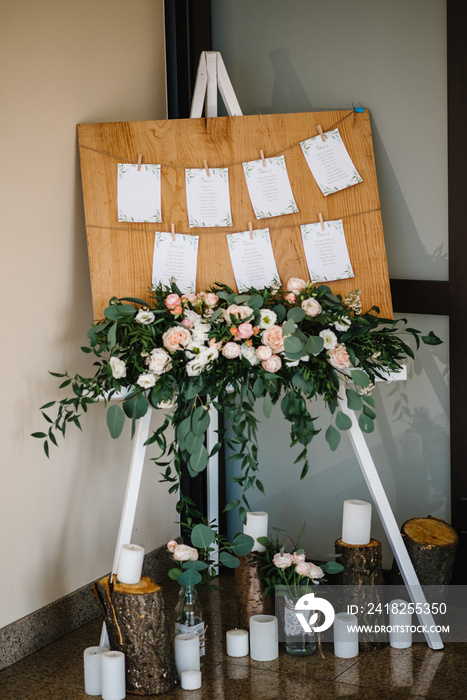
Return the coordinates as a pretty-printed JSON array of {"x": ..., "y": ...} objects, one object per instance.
[{"x": 291, "y": 576}]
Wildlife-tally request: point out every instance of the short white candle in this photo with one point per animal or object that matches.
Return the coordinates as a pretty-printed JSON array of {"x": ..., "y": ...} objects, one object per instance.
[
  {"x": 400, "y": 620},
  {"x": 113, "y": 675},
  {"x": 345, "y": 638},
  {"x": 191, "y": 679},
  {"x": 237, "y": 642},
  {"x": 186, "y": 653},
  {"x": 130, "y": 563},
  {"x": 256, "y": 526},
  {"x": 92, "y": 670},
  {"x": 264, "y": 638},
  {"x": 356, "y": 522}
]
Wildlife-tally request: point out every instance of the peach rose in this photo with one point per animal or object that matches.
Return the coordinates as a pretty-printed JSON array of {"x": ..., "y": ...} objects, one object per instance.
[
  {"x": 263, "y": 352},
  {"x": 311, "y": 307},
  {"x": 339, "y": 357},
  {"x": 295, "y": 285},
  {"x": 182, "y": 552},
  {"x": 273, "y": 338},
  {"x": 231, "y": 350},
  {"x": 290, "y": 298},
  {"x": 209, "y": 298},
  {"x": 176, "y": 338},
  {"x": 298, "y": 557},
  {"x": 172, "y": 301},
  {"x": 302, "y": 568},
  {"x": 187, "y": 323},
  {"x": 240, "y": 312},
  {"x": 245, "y": 330},
  {"x": 273, "y": 364},
  {"x": 315, "y": 571},
  {"x": 171, "y": 545},
  {"x": 282, "y": 561}
]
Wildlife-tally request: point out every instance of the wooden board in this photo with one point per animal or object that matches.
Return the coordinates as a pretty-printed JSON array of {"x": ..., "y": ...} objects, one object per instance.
[{"x": 120, "y": 254}]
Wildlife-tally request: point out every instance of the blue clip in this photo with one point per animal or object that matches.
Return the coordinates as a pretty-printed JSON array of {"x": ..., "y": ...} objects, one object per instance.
[{"x": 360, "y": 110}]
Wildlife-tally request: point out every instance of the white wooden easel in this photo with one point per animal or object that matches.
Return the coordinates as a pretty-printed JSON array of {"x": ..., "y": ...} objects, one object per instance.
[{"x": 211, "y": 77}]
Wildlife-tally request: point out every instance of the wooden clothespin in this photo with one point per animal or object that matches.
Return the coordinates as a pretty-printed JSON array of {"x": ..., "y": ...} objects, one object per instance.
[
  {"x": 172, "y": 231},
  {"x": 250, "y": 228},
  {"x": 140, "y": 158},
  {"x": 320, "y": 217},
  {"x": 263, "y": 159},
  {"x": 205, "y": 164},
  {"x": 320, "y": 132}
]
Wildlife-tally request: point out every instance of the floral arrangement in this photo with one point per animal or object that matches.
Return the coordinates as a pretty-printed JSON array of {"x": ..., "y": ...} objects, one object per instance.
[
  {"x": 289, "y": 573},
  {"x": 217, "y": 348}
]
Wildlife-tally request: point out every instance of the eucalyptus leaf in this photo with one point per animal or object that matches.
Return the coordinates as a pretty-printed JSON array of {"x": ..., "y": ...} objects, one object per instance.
[
  {"x": 202, "y": 536},
  {"x": 190, "y": 577},
  {"x": 314, "y": 345},
  {"x": 343, "y": 421},
  {"x": 354, "y": 401},
  {"x": 333, "y": 437},
  {"x": 242, "y": 544},
  {"x": 229, "y": 560},
  {"x": 360, "y": 377},
  {"x": 296, "y": 314},
  {"x": 200, "y": 420},
  {"x": 198, "y": 461},
  {"x": 115, "y": 420},
  {"x": 293, "y": 345}
]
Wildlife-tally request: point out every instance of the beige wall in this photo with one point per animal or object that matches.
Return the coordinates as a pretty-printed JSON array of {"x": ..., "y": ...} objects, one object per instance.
[{"x": 62, "y": 63}]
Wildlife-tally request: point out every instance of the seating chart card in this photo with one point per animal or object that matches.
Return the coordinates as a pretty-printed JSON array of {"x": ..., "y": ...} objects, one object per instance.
[
  {"x": 175, "y": 260},
  {"x": 326, "y": 251},
  {"x": 208, "y": 197},
  {"x": 139, "y": 193},
  {"x": 330, "y": 162},
  {"x": 269, "y": 187},
  {"x": 252, "y": 259}
]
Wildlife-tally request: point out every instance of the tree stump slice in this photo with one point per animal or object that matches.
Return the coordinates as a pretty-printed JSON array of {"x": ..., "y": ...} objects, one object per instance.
[
  {"x": 249, "y": 591},
  {"x": 137, "y": 625},
  {"x": 362, "y": 563},
  {"x": 431, "y": 544}
]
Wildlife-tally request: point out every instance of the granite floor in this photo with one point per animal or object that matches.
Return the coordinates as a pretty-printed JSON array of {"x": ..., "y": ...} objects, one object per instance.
[{"x": 56, "y": 672}]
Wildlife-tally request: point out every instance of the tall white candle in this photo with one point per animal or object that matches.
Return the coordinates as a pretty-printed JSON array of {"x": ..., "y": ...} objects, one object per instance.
[
  {"x": 191, "y": 679},
  {"x": 345, "y": 638},
  {"x": 237, "y": 642},
  {"x": 186, "y": 653},
  {"x": 400, "y": 621},
  {"x": 92, "y": 670},
  {"x": 264, "y": 637},
  {"x": 113, "y": 675},
  {"x": 256, "y": 526},
  {"x": 130, "y": 563},
  {"x": 356, "y": 522}
]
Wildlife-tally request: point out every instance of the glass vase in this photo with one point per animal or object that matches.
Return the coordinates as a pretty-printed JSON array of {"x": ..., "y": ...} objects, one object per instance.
[
  {"x": 297, "y": 641},
  {"x": 189, "y": 615}
]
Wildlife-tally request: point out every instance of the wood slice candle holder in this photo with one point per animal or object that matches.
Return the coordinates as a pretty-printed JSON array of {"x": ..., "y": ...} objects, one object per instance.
[
  {"x": 137, "y": 625},
  {"x": 249, "y": 591}
]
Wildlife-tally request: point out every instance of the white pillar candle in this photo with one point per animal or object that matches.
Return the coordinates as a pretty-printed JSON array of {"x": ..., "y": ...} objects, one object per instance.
[
  {"x": 345, "y": 638},
  {"x": 237, "y": 642},
  {"x": 113, "y": 675},
  {"x": 256, "y": 526},
  {"x": 92, "y": 670},
  {"x": 356, "y": 522},
  {"x": 191, "y": 679},
  {"x": 264, "y": 637},
  {"x": 400, "y": 620},
  {"x": 130, "y": 563},
  {"x": 186, "y": 653}
]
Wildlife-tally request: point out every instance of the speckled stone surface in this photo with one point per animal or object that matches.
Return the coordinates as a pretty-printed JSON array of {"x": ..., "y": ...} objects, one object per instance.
[
  {"x": 52, "y": 622},
  {"x": 56, "y": 671}
]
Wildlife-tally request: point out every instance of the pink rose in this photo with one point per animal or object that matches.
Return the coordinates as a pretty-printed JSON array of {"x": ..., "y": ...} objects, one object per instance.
[
  {"x": 273, "y": 364},
  {"x": 273, "y": 338},
  {"x": 172, "y": 301},
  {"x": 210, "y": 299},
  {"x": 282, "y": 561},
  {"x": 295, "y": 285},
  {"x": 187, "y": 323},
  {"x": 182, "y": 552},
  {"x": 302, "y": 568},
  {"x": 315, "y": 571},
  {"x": 231, "y": 350},
  {"x": 290, "y": 298},
  {"x": 263, "y": 352},
  {"x": 192, "y": 298},
  {"x": 298, "y": 557},
  {"x": 245, "y": 330},
  {"x": 240, "y": 312},
  {"x": 339, "y": 357},
  {"x": 311, "y": 307},
  {"x": 171, "y": 545},
  {"x": 214, "y": 344},
  {"x": 176, "y": 338}
]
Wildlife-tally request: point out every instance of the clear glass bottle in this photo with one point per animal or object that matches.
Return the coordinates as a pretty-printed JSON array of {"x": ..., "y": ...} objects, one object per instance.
[{"x": 189, "y": 615}]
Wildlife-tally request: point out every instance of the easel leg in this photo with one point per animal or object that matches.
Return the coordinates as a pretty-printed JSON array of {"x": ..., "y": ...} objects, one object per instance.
[{"x": 391, "y": 528}]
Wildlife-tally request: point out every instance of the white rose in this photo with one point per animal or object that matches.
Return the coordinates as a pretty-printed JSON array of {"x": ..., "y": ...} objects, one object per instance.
[
  {"x": 146, "y": 381},
  {"x": 182, "y": 552},
  {"x": 296, "y": 285},
  {"x": 159, "y": 361},
  {"x": 282, "y": 561},
  {"x": 329, "y": 337},
  {"x": 231, "y": 350},
  {"x": 145, "y": 317},
  {"x": 311, "y": 307},
  {"x": 118, "y": 367},
  {"x": 267, "y": 318},
  {"x": 249, "y": 353},
  {"x": 315, "y": 571}
]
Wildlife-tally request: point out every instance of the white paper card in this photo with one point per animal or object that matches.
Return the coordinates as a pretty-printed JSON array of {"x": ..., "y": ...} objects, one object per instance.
[
  {"x": 139, "y": 193},
  {"x": 330, "y": 162},
  {"x": 252, "y": 259},
  {"x": 208, "y": 197},
  {"x": 175, "y": 261},
  {"x": 326, "y": 251},
  {"x": 269, "y": 187}
]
